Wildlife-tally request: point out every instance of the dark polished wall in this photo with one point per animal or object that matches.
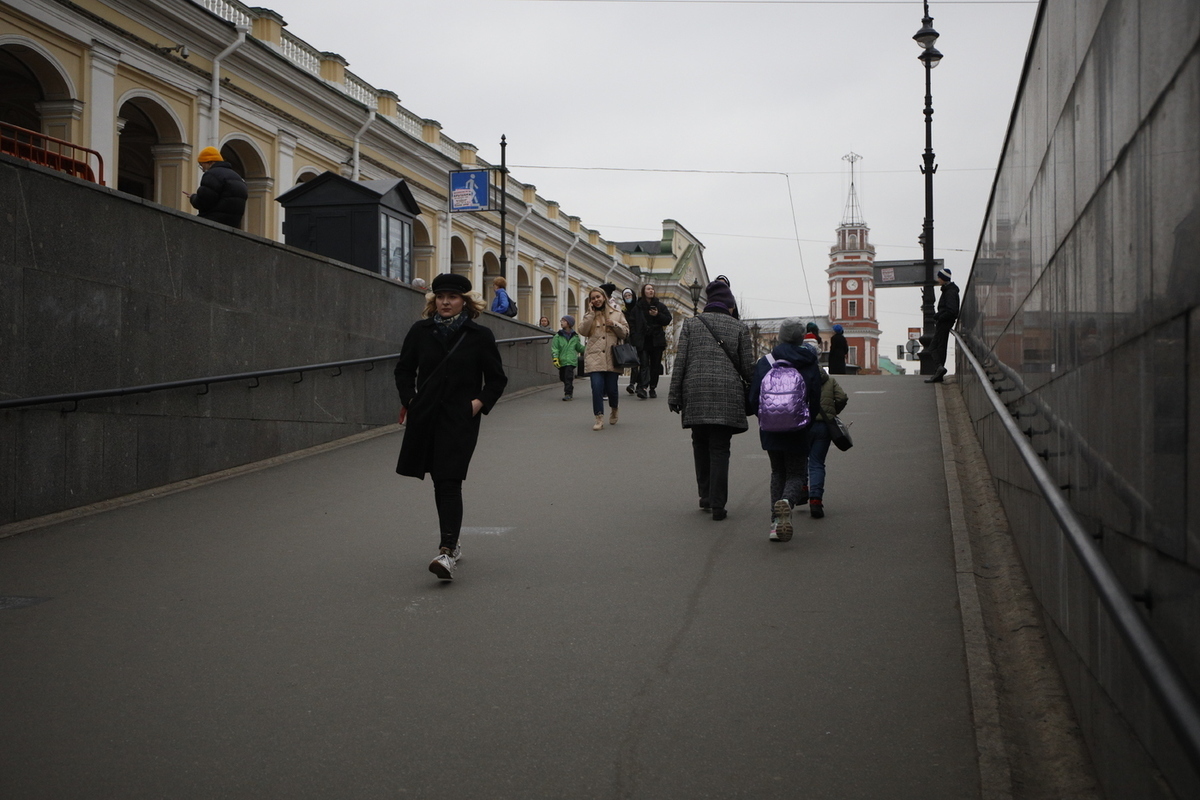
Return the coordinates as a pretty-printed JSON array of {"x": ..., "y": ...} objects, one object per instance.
[
  {"x": 100, "y": 290},
  {"x": 1085, "y": 293}
]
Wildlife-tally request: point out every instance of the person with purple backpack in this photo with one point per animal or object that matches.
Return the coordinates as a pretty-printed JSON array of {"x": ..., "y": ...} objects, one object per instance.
[{"x": 786, "y": 397}]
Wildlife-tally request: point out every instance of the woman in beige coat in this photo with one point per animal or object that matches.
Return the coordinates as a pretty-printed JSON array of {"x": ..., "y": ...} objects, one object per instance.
[{"x": 603, "y": 326}]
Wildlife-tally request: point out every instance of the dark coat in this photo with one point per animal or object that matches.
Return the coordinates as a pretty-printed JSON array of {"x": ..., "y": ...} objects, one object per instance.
[
  {"x": 705, "y": 384},
  {"x": 839, "y": 348},
  {"x": 440, "y": 433},
  {"x": 648, "y": 331},
  {"x": 947, "y": 307},
  {"x": 805, "y": 359},
  {"x": 222, "y": 195}
]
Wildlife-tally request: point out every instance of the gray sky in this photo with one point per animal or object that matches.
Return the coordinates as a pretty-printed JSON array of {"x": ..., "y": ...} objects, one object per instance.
[{"x": 740, "y": 86}]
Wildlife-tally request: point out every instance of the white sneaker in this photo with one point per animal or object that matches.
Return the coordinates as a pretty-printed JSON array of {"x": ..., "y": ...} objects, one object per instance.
[
  {"x": 783, "y": 520},
  {"x": 443, "y": 566},
  {"x": 774, "y": 535}
]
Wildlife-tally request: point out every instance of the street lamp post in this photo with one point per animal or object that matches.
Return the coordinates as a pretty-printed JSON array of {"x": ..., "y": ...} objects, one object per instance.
[
  {"x": 755, "y": 331},
  {"x": 930, "y": 56},
  {"x": 695, "y": 289}
]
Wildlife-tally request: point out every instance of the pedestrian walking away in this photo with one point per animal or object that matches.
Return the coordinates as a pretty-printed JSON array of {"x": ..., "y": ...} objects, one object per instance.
[
  {"x": 448, "y": 376},
  {"x": 944, "y": 319},
  {"x": 714, "y": 363},
  {"x": 604, "y": 326},
  {"x": 786, "y": 389},
  {"x": 839, "y": 348},
  {"x": 222, "y": 194},
  {"x": 565, "y": 348},
  {"x": 833, "y": 400},
  {"x": 648, "y": 321}
]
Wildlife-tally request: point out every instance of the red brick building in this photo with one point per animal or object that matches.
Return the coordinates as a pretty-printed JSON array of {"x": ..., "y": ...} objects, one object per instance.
[{"x": 852, "y": 289}]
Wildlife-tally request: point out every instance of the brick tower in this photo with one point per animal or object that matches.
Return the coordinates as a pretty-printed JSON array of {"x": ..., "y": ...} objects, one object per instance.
[{"x": 852, "y": 284}]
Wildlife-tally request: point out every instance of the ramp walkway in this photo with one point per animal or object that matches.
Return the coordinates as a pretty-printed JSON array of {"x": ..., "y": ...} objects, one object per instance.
[{"x": 277, "y": 634}]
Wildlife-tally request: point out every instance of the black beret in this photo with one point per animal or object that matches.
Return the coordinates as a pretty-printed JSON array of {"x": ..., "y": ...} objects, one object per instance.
[{"x": 449, "y": 282}]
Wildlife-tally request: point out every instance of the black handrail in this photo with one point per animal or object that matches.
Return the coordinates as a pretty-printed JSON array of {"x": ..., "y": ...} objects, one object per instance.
[
  {"x": 1176, "y": 698},
  {"x": 75, "y": 397}
]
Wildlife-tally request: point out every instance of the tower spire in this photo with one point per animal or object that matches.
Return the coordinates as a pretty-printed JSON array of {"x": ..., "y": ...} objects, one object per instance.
[{"x": 853, "y": 213}]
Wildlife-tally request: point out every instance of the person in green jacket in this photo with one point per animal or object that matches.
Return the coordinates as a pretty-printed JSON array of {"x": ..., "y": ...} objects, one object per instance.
[
  {"x": 565, "y": 347},
  {"x": 833, "y": 400}
]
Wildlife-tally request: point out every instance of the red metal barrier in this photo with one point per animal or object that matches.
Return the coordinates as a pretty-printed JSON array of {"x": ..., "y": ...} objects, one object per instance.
[{"x": 50, "y": 152}]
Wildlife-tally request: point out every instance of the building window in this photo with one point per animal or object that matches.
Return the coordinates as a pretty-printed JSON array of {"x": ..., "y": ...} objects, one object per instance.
[
  {"x": 395, "y": 238},
  {"x": 852, "y": 356},
  {"x": 851, "y": 308}
]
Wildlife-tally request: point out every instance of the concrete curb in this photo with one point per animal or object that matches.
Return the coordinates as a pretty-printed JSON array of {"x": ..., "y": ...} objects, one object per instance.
[
  {"x": 34, "y": 523},
  {"x": 995, "y": 776}
]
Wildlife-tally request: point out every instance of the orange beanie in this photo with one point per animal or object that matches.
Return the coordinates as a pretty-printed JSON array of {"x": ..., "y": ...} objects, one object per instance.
[{"x": 210, "y": 154}]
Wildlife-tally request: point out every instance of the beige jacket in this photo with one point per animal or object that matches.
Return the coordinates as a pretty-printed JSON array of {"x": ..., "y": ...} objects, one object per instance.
[{"x": 597, "y": 355}]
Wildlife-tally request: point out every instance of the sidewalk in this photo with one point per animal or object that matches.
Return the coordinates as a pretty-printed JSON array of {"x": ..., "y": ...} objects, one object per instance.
[{"x": 277, "y": 634}]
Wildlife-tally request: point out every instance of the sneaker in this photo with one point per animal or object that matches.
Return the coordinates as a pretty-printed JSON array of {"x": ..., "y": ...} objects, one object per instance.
[
  {"x": 719, "y": 514},
  {"x": 566, "y": 397},
  {"x": 641, "y": 393},
  {"x": 783, "y": 520},
  {"x": 816, "y": 509},
  {"x": 705, "y": 506},
  {"x": 774, "y": 534},
  {"x": 457, "y": 554},
  {"x": 630, "y": 388},
  {"x": 653, "y": 394},
  {"x": 443, "y": 566}
]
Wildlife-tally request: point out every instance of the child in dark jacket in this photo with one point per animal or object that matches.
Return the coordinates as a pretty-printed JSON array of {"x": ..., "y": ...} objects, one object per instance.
[{"x": 789, "y": 451}]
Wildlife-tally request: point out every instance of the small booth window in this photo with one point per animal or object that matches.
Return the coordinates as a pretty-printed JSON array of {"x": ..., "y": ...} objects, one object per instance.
[{"x": 395, "y": 258}]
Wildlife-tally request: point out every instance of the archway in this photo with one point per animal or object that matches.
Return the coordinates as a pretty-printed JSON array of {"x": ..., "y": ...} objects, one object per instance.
[
  {"x": 423, "y": 259},
  {"x": 547, "y": 299},
  {"x": 151, "y": 155},
  {"x": 460, "y": 257},
  {"x": 35, "y": 92},
  {"x": 524, "y": 295},
  {"x": 247, "y": 160},
  {"x": 491, "y": 271},
  {"x": 572, "y": 303}
]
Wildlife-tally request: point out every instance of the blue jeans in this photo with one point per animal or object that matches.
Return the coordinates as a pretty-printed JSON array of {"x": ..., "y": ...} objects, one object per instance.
[
  {"x": 603, "y": 383},
  {"x": 816, "y": 459}
]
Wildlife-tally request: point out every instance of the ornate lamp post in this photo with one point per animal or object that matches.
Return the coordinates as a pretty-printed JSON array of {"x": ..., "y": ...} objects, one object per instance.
[
  {"x": 930, "y": 56},
  {"x": 755, "y": 331},
  {"x": 695, "y": 289}
]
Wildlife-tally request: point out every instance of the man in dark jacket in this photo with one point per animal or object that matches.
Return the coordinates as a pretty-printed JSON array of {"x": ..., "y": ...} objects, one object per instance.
[
  {"x": 648, "y": 321},
  {"x": 222, "y": 193},
  {"x": 839, "y": 348},
  {"x": 944, "y": 319}
]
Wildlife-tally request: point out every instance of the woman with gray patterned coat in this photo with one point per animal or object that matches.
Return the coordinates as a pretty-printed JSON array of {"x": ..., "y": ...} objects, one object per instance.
[{"x": 714, "y": 362}]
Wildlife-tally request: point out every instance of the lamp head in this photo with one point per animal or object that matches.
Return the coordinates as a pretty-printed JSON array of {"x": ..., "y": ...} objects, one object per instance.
[
  {"x": 927, "y": 35},
  {"x": 931, "y": 57}
]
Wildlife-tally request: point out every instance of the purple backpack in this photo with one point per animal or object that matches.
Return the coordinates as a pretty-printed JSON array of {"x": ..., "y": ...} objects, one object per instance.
[{"x": 783, "y": 399}]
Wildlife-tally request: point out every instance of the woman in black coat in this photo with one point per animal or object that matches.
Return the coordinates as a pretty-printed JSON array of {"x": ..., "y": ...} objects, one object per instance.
[{"x": 449, "y": 374}]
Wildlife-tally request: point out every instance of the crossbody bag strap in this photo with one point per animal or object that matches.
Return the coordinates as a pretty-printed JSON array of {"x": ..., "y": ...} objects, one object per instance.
[
  {"x": 441, "y": 363},
  {"x": 721, "y": 344}
]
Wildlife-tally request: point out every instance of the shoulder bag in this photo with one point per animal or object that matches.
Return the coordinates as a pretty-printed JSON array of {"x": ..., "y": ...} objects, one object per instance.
[{"x": 736, "y": 371}]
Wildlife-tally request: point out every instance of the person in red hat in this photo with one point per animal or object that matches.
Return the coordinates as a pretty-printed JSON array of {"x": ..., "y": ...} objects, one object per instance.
[
  {"x": 222, "y": 193},
  {"x": 448, "y": 376}
]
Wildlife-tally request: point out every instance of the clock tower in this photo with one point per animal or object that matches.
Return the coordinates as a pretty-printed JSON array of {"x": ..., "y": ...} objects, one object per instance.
[{"x": 852, "y": 284}]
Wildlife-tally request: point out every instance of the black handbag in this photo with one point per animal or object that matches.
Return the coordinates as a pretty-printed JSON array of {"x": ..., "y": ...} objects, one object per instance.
[
  {"x": 625, "y": 355},
  {"x": 839, "y": 433}
]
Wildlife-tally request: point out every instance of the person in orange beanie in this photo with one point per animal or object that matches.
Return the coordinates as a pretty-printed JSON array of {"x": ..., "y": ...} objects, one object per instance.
[{"x": 222, "y": 193}]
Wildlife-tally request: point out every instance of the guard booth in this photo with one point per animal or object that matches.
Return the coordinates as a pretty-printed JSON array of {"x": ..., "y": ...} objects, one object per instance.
[{"x": 365, "y": 223}]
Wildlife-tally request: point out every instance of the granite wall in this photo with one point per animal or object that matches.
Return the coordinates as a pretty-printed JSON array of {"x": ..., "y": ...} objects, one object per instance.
[
  {"x": 99, "y": 290},
  {"x": 1085, "y": 296}
]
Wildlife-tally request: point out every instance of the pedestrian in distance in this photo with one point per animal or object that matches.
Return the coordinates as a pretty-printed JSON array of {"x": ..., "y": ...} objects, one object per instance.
[
  {"x": 565, "y": 349},
  {"x": 544, "y": 322},
  {"x": 628, "y": 307},
  {"x": 448, "y": 376},
  {"x": 647, "y": 332},
  {"x": 786, "y": 396},
  {"x": 833, "y": 400},
  {"x": 420, "y": 284},
  {"x": 222, "y": 194},
  {"x": 501, "y": 302},
  {"x": 839, "y": 348},
  {"x": 714, "y": 364},
  {"x": 604, "y": 326},
  {"x": 944, "y": 319}
]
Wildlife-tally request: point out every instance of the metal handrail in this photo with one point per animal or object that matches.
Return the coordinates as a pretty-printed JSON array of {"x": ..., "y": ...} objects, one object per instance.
[
  {"x": 1175, "y": 696},
  {"x": 38, "y": 148},
  {"x": 76, "y": 397}
]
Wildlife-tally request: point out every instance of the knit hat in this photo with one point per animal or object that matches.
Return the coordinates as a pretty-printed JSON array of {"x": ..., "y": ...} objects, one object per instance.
[
  {"x": 209, "y": 154},
  {"x": 719, "y": 296},
  {"x": 944, "y": 274},
  {"x": 811, "y": 340},
  {"x": 570, "y": 320},
  {"x": 813, "y": 328},
  {"x": 628, "y": 292},
  {"x": 722, "y": 279},
  {"x": 791, "y": 331},
  {"x": 449, "y": 282},
  {"x": 838, "y": 329},
  {"x": 608, "y": 289}
]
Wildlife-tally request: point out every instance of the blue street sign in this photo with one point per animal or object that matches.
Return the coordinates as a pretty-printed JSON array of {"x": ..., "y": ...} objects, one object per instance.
[{"x": 469, "y": 190}]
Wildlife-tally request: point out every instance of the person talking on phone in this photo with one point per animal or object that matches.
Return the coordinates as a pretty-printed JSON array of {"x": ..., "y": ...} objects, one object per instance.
[{"x": 604, "y": 326}]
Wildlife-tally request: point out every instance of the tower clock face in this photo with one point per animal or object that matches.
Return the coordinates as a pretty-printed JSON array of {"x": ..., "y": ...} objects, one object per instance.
[{"x": 852, "y": 284}]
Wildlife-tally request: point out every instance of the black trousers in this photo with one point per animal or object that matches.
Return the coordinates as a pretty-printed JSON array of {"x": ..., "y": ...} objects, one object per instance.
[
  {"x": 447, "y": 494},
  {"x": 940, "y": 343},
  {"x": 710, "y": 451},
  {"x": 651, "y": 365}
]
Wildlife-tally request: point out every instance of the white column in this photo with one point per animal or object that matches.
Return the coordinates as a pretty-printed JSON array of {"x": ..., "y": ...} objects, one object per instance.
[
  {"x": 102, "y": 130},
  {"x": 443, "y": 246},
  {"x": 284, "y": 169}
]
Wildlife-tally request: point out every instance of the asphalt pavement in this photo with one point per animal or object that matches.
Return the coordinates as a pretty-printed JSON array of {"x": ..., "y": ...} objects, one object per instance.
[{"x": 277, "y": 634}]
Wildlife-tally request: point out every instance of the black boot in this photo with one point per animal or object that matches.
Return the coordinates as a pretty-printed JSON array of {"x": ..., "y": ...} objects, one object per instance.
[{"x": 937, "y": 376}]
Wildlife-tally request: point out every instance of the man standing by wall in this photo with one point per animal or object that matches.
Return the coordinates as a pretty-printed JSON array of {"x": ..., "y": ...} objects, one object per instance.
[
  {"x": 222, "y": 193},
  {"x": 944, "y": 319}
]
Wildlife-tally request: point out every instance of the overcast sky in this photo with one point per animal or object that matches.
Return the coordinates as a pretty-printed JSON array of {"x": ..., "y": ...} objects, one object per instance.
[{"x": 713, "y": 89}]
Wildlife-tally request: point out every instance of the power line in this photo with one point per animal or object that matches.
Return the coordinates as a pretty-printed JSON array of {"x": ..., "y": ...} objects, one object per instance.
[
  {"x": 731, "y": 171},
  {"x": 804, "y": 2},
  {"x": 602, "y": 226}
]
